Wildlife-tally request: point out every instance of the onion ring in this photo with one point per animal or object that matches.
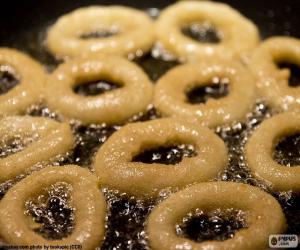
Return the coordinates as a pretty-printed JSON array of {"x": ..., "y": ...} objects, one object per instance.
[
  {"x": 112, "y": 107},
  {"x": 238, "y": 34},
  {"x": 31, "y": 78},
  {"x": 272, "y": 82},
  {"x": 89, "y": 204},
  {"x": 51, "y": 139},
  {"x": 260, "y": 147},
  {"x": 133, "y": 28},
  {"x": 170, "y": 92},
  {"x": 113, "y": 162},
  {"x": 263, "y": 216}
]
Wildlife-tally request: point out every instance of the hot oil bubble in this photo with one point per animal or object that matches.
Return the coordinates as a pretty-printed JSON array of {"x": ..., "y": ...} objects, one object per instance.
[
  {"x": 153, "y": 12},
  {"x": 290, "y": 203},
  {"x": 168, "y": 155},
  {"x": 213, "y": 225},
  {"x": 52, "y": 212},
  {"x": 159, "y": 52},
  {"x": 235, "y": 136},
  {"x": 88, "y": 140},
  {"x": 126, "y": 218},
  {"x": 15, "y": 144},
  {"x": 5, "y": 186},
  {"x": 151, "y": 113},
  {"x": 157, "y": 62},
  {"x": 40, "y": 110}
]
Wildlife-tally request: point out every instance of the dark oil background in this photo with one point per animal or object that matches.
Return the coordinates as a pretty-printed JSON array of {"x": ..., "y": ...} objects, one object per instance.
[{"x": 23, "y": 25}]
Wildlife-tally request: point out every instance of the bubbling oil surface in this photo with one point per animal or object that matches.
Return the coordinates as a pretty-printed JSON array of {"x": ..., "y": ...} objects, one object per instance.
[
  {"x": 217, "y": 224},
  {"x": 202, "y": 32},
  {"x": 14, "y": 145},
  {"x": 287, "y": 151},
  {"x": 127, "y": 216},
  {"x": 52, "y": 213},
  {"x": 170, "y": 155},
  {"x": 94, "y": 88}
]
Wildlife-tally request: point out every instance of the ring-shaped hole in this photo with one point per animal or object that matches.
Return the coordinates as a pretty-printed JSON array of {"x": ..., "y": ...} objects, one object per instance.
[
  {"x": 203, "y": 32},
  {"x": 218, "y": 88},
  {"x": 14, "y": 145},
  {"x": 294, "y": 80},
  {"x": 52, "y": 212},
  {"x": 217, "y": 225},
  {"x": 287, "y": 150},
  {"x": 8, "y": 79},
  {"x": 104, "y": 33},
  {"x": 168, "y": 155},
  {"x": 93, "y": 88}
]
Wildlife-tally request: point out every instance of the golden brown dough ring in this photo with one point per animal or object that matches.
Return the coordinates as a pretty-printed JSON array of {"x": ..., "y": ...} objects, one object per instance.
[
  {"x": 260, "y": 148},
  {"x": 272, "y": 82},
  {"x": 113, "y": 163},
  {"x": 263, "y": 216},
  {"x": 51, "y": 139},
  {"x": 170, "y": 92},
  {"x": 134, "y": 27},
  {"x": 89, "y": 204},
  {"x": 238, "y": 33},
  {"x": 31, "y": 78},
  {"x": 111, "y": 107}
]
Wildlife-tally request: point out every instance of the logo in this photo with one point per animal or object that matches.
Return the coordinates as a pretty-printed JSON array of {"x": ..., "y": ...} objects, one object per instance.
[{"x": 283, "y": 241}]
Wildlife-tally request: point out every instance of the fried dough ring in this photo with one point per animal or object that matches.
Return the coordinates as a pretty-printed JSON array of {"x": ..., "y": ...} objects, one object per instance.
[
  {"x": 263, "y": 216},
  {"x": 272, "y": 82},
  {"x": 170, "y": 92},
  {"x": 112, "y": 107},
  {"x": 260, "y": 147},
  {"x": 113, "y": 162},
  {"x": 238, "y": 34},
  {"x": 31, "y": 78},
  {"x": 89, "y": 204},
  {"x": 134, "y": 32},
  {"x": 51, "y": 139}
]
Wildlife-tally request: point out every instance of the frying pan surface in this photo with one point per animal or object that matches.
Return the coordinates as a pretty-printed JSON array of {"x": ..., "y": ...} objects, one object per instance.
[{"x": 23, "y": 25}]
